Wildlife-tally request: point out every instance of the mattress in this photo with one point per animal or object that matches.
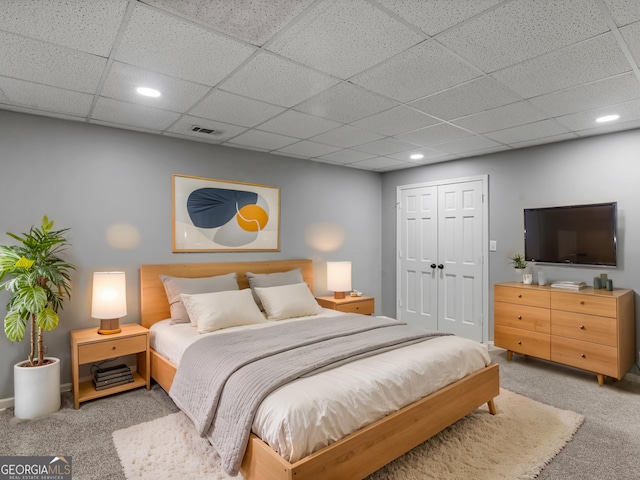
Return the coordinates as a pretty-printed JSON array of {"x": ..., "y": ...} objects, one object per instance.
[{"x": 315, "y": 411}]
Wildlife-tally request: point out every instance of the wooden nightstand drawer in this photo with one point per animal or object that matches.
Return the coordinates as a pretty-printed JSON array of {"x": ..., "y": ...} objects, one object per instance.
[
  {"x": 535, "y": 319},
  {"x": 523, "y": 341},
  {"x": 588, "y": 328},
  {"x": 591, "y": 304},
  {"x": 521, "y": 296},
  {"x": 588, "y": 356},
  {"x": 94, "y": 352},
  {"x": 364, "y": 307}
]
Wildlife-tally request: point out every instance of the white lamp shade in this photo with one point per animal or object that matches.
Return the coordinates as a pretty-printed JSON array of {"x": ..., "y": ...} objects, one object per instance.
[
  {"x": 109, "y": 299},
  {"x": 339, "y": 276}
]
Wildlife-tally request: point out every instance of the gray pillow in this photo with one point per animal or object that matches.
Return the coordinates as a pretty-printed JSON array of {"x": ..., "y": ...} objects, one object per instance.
[
  {"x": 265, "y": 280},
  {"x": 174, "y": 286}
]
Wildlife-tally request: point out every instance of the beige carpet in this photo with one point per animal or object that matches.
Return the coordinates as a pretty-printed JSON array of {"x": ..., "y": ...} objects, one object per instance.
[{"x": 516, "y": 444}]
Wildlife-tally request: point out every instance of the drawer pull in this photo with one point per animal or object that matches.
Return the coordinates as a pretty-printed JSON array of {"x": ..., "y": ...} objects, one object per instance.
[
  {"x": 519, "y": 296},
  {"x": 519, "y": 317},
  {"x": 581, "y": 302},
  {"x": 581, "y": 327},
  {"x": 113, "y": 348},
  {"x": 583, "y": 355},
  {"x": 519, "y": 343}
]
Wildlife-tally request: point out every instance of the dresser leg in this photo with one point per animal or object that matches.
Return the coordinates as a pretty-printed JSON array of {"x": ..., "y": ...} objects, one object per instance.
[
  {"x": 509, "y": 355},
  {"x": 600, "y": 379},
  {"x": 492, "y": 407}
]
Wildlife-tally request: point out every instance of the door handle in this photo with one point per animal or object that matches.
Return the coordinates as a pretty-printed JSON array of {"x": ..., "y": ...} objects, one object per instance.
[
  {"x": 440, "y": 266},
  {"x": 433, "y": 265}
]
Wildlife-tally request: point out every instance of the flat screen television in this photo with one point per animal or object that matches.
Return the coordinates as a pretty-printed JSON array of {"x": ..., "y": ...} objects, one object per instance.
[{"x": 572, "y": 235}]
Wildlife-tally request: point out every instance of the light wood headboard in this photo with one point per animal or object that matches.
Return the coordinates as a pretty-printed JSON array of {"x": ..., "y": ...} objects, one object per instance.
[{"x": 154, "y": 304}]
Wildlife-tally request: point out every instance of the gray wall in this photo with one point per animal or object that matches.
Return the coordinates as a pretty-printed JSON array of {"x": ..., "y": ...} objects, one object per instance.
[
  {"x": 590, "y": 170},
  {"x": 90, "y": 178}
]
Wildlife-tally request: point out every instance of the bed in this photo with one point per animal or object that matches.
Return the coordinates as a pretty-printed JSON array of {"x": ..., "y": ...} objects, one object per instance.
[{"x": 357, "y": 454}]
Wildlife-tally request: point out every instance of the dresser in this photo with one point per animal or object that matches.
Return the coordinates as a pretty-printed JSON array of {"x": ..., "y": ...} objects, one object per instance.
[{"x": 588, "y": 329}]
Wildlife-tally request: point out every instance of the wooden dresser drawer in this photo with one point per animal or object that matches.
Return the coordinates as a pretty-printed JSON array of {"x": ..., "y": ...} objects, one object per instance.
[
  {"x": 365, "y": 307},
  {"x": 587, "y": 328},
  {"x": 590, "y": 304},
  {"x": 522, "y": 296},
  {"x": 523, "y": 341},
  {"x": 535, "y": 319},
  {"x": 588, "y": 356},
  {"x": 93, "y": 352}
]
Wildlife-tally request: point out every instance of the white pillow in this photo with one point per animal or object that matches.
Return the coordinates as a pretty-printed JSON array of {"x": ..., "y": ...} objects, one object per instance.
[
  {"x": 217, "y": 310},
  {"x": 288, "y": 301}
]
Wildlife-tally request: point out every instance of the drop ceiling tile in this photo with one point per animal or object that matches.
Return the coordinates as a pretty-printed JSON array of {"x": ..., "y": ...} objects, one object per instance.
[
  {"x": 395, "y": 120},
  {"x": 298, "y": 124},
  {"x": 186, "y": 123},
  {"x": 307, "y": 149},
  {"x": 263, "y": 140},
  {"x": 632, "y": 124},
  {"x": 346, "y": 156},
  {"x": 585, "y": 62},
  {"x": 377, "y": 163},
  {"x": 392, "y": 168},
  {"x": 122, "y": 113},
  {"x": 33, "y": 111},
  {"x": 523, "y": 29},
  {"x": 254, "y": 22},
  {"x": 469, "y": 144},
  {"x": 530, "y": 131},
  {"x": 545, "y": 140},
  {"x": 176, "y": 95},
  {"x": 88, "y": 26},
  {"x": 346, "y": 136},
  {"x": 629, "y": 111},
  {"x": 478, "y": 95},
  {"x": 624, "y": 11},
  {"x": 44, "y": 98},
  {"x": 435, "y": 16},
  {"x": 433, "y": 135},
  {"x": 163, "y": 43},
  {"x": 428, "y": 153},
  {"x": 424, "y": 69},
  {"x": 232, "y": 108},
  {"x": 276, "y": 80},
  {"x": 631, "y": 35},
  {"x": 49, "y": 64},
  {"x": 609, "y": 91},
  {"x": 500, "y": 118},
  {"x": 322, "y": 39},
  {"x": 385, "y": 146},
  {"x": 345, "y": 103}
]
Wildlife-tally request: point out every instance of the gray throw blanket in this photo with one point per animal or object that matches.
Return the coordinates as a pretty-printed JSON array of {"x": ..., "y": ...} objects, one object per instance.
[{"x": 222, "y": 379}]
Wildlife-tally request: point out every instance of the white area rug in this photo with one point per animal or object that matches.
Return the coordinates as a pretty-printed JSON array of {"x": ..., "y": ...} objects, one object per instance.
[{"x": 515, "y": 444}]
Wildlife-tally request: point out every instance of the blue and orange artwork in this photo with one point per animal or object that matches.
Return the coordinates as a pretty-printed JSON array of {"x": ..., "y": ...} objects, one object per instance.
[{"x": 215, "y": 215}]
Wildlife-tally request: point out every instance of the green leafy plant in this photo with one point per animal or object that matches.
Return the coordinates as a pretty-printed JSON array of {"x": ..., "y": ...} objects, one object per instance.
[
  {"x": 518, "y": 261},
  {"x": 38, "y": 281}
]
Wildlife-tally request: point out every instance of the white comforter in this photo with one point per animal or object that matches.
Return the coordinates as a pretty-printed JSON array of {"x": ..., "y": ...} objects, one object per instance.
[{"x": 317, "y": 410}]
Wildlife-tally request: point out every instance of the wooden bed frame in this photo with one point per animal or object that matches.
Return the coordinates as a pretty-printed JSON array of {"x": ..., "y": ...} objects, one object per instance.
[{"x": 355, "y": 456}]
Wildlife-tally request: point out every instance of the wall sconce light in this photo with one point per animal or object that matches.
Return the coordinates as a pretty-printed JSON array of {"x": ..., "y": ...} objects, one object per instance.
[
  {"x": 339, "y": 278},
  {"x": 109, "y": 300}
]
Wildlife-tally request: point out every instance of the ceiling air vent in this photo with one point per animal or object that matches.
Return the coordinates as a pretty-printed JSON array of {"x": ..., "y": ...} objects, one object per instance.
[{"x": 206, "y": 131}]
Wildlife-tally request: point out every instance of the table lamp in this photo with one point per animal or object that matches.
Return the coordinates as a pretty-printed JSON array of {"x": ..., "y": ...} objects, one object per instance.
[{"x": 109, "y": 300}]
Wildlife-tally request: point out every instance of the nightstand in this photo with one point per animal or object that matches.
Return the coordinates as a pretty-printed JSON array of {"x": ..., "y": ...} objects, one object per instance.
[
  {"x": 88, "y": 346},
  {"x": 363, "y": 305}
]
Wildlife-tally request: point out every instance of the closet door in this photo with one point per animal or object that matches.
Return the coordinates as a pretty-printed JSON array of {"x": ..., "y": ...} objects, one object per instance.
[{"x": 440, "y": 255}]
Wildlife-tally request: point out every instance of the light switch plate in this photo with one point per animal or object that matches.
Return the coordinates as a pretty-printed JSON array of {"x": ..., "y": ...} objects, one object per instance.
[{"x": 493, "y": 245}]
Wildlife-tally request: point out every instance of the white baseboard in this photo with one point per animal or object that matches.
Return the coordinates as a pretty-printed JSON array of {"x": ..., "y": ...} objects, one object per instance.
[{"x": 9, "y": 402}]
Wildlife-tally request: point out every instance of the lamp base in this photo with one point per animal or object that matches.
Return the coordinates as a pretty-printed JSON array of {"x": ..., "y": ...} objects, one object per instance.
[
  {"x": 338, "y": 295},
  {"x": 109, "y": 326}
]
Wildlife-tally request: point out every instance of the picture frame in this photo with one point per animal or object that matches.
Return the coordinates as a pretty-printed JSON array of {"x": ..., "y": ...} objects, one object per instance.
[{"x": 211, "y": 215}]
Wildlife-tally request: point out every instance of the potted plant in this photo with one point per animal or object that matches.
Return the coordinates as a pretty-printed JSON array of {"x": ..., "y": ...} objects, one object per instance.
[
  {"x": 38, "y": 281},
  {"x": 519, "y": 264}
]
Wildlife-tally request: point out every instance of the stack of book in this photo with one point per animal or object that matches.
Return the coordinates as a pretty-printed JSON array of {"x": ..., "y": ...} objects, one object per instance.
[
  {"x": 108, "y": 377},
  {"x": 569, "y": 285}
]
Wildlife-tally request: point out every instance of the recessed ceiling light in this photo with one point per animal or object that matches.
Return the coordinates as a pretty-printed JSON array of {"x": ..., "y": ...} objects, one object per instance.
[
  {"x": 607, "y": 118},
  {"x": 148, "y": 92},
  {"x": 416, "y": 156}
]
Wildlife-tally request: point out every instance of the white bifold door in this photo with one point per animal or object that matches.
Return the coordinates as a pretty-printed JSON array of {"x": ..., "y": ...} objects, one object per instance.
[{"x": 441, "y": 248}]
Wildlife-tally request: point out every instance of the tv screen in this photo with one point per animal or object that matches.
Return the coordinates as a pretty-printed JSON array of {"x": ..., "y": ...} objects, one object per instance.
[{"x": 573, "y": 235}]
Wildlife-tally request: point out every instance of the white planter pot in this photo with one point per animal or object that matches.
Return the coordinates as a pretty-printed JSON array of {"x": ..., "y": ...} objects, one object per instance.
[{"x": 36, "y": 389}]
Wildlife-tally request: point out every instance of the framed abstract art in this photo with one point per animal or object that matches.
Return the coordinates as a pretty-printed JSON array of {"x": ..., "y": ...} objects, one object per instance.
[{"x": 222, "y": 216}]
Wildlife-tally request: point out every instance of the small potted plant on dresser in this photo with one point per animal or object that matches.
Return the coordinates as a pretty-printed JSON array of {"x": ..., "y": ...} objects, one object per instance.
[
  {"x": 38, "y": 281},
  {"x": 520, "y": 265}
]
